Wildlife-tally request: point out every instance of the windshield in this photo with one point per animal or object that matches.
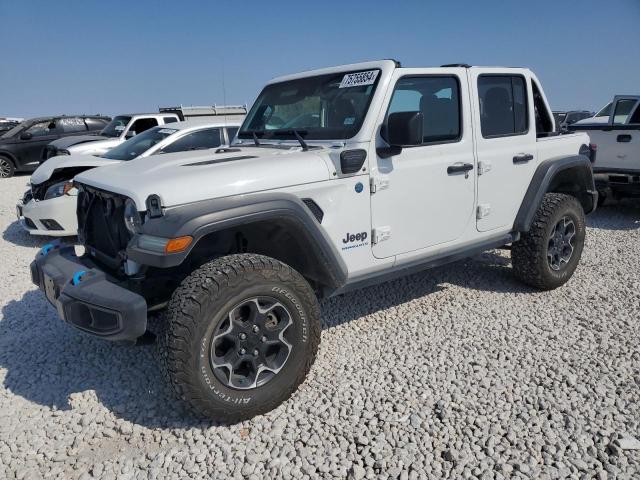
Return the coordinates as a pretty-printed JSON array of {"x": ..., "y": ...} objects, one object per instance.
[
  {"x": 326, "y": 107},
  {"x": 139, "y": 144},
  {"x": 116, "y": 126},
  {"x": 16, "y": 129},
  {"x": 605, "y": 112}
]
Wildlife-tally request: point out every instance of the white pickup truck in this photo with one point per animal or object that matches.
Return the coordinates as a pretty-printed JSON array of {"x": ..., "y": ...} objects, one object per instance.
[
  {"x": 338, "y": 178},
  {"x": 121, "y": 128},
  {"x": 615, "y": 131}
]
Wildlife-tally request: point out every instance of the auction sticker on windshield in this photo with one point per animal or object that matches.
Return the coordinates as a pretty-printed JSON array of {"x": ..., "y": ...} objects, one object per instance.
[
  {"x": 167, "y": 131},
  {"x": 359, "y": 79}
]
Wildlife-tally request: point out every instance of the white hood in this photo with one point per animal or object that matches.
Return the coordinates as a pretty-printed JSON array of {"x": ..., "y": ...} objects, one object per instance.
[
  {"x": 44, "y": 171},
  {"x": 95, "y": 148},
  {"x": 180, "y": 178}
]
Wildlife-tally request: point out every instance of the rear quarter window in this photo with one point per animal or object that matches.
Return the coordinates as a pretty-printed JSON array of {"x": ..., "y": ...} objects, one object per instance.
[{"x": 503, "y": 105}]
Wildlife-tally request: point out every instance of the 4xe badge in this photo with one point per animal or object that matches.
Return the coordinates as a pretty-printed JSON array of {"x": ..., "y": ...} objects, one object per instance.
[{"x": 355, "y": 240}]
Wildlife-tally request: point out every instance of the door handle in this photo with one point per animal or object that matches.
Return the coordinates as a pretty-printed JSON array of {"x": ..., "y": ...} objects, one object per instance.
[
  {"x": 523, "y": 158},
  {"x": 459, "y": 168},
  {"x": 624, "y": 138}
]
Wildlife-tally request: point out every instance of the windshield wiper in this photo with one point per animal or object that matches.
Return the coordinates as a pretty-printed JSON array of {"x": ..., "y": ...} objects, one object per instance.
[
  {"x": 255, "y": 139},
  {"x": 296, "y": 133}
]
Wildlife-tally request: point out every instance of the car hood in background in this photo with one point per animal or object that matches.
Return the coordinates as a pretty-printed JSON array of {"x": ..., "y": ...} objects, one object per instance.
[
  {"x": 66, "y": 142},
  {"x": 180, "y": 178},
  {"x": 46, "y": 170}
]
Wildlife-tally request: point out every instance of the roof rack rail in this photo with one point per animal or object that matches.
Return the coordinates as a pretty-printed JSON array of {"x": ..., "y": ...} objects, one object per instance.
[{"x": 449, "y": 65}]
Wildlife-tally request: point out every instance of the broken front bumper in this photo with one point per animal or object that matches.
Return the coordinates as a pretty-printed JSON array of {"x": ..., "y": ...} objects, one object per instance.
[{"x": 85, "y": 297}]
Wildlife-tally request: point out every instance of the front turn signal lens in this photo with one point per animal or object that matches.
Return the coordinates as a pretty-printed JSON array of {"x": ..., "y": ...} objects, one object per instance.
[{"x": 177, "y": 245}]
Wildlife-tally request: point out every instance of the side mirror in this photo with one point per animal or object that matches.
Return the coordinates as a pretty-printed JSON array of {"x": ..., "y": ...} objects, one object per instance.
[
  {"x": 26, "y": 136},
  {"x": 404, "y": 129},
  {"x": 130, "y": 134}
]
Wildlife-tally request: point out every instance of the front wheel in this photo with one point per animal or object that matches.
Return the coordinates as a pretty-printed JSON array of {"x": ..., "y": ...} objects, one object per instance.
[
  {"x": 6, "y": 168},
  {"x": 546, "y": 256},
  {"x": 242, "y": 333}
]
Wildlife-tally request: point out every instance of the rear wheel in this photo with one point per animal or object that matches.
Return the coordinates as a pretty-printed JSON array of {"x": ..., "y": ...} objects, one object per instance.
[
  {"x": 547, "y": 255},
  {"x": 242, "y": 332},
  {"x": 6, "y": 167}
]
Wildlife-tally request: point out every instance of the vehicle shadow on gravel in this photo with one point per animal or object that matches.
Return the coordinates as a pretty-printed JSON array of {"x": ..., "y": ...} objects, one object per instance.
[
  {"x": 491, "y": 271},
  {"x": 622, "y": 215},
  {"x": 14, "y": 233},
  {"x": 51, "y": 364}
]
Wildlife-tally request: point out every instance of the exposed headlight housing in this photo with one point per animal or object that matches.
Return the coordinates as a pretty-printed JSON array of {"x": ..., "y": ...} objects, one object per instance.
[
  {"x": 59, "y": 189},
  {"x": 132, "y": 217}
]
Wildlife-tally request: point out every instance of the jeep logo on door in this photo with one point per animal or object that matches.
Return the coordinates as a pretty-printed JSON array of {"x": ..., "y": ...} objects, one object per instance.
[{"x": 353, "y": 240}]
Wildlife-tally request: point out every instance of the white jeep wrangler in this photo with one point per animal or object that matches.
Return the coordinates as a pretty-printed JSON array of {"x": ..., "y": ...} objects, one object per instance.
[{"x": 338, "y": 178}]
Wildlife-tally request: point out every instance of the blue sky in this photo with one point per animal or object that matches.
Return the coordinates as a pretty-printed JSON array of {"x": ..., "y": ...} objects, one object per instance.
[{"x": 123, "y": 56}]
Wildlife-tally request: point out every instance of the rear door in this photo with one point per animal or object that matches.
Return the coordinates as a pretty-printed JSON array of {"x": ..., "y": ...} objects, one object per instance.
[
  {"x": 424, "y": 196},
  {"x": 506, "y": 150}
]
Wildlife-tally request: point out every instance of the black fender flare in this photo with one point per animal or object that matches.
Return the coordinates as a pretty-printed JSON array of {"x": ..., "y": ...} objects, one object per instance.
[
  {"x": 200, "y": 219},
  {"x": 571, "y": 174}
]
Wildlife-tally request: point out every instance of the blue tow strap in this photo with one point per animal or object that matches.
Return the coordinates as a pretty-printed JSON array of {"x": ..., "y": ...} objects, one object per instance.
[
  {"x": 46, "y": 249},
  {"x": 77, "y": 276}
]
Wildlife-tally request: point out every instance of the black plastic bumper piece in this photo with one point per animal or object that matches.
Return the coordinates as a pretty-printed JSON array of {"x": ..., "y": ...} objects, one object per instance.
[{"x": 86, "y": 298}]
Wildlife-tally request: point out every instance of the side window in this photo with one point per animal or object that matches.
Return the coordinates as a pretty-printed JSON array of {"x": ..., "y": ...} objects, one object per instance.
[
  {"x": 200, "y": 140},
  {"x": 231, "y": 133},
  {"x": 169, "y": 119},
  {"x": 623, "y": 109},
  {"x": 42, "y": 129},
  {"x": 438, "y": 98},
  {"x": 143, "y": 124},
  {"x": 503, "y": 105},
  {"x": 72, "y": 125},
  {"x": 635, "y": 117}
]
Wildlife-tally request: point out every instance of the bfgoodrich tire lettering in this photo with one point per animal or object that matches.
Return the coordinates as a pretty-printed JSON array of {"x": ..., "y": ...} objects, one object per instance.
[
  {"x": 194, "y": 315},
  {"x": 530, "y": 256}
]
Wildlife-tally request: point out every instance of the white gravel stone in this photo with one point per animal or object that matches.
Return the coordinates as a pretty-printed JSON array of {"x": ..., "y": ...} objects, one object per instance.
[{"x": 457, "y": 372}]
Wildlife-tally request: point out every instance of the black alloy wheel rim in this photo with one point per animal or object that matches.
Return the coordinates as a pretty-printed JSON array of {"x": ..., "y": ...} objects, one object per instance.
[
  {"x": 5, "y": 168},
  {"x": 560, "y": 247},
  {"x": 249, "y": 345}
]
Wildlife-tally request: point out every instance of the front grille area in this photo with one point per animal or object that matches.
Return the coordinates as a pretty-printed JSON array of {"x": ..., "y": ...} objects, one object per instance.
[{"x": 101, "y": 227}]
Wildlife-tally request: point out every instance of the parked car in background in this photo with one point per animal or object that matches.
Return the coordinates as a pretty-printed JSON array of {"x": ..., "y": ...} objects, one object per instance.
[
  {"x": 121, "y": 128},
  {"x": 49, "y": 206},
  {"x": 564, "y": 119},
  {"x": 21, "y": 147},
  {"x": 615, "y": 130}
]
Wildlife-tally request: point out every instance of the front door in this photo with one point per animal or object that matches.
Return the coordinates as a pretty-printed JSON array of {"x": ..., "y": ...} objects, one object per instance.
[
  {"x": 505, "y": 145},
  {"x": 424, "y": 196},
  {"x": 41, "y": 133}
]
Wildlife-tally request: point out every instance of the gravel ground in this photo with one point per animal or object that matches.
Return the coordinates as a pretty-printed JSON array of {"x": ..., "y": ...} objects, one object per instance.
[{"x": 459, "y": 372}]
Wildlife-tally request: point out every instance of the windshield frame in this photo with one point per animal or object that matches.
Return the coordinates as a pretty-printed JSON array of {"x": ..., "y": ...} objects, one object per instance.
[{"x": 308, "y": 133}]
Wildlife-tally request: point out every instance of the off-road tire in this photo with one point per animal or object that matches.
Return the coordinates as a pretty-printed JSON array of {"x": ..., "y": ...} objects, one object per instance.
[
  {"x": 529, "y": 254},
  {"x": 196, "y": 309},
  {"x": 7, "y": 169}
]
